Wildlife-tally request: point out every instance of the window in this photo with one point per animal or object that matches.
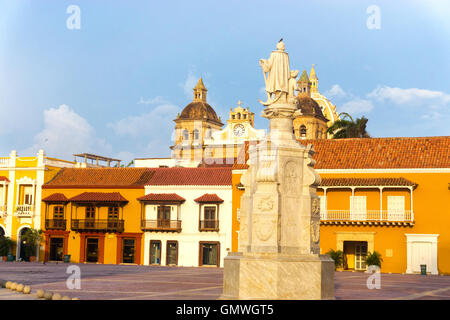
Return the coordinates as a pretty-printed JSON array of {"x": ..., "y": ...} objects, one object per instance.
[
  {"x": 186, "y": 135},
  {"x": 113, "y": 213},
  {"x": 358, "y": 208},
  {"x": 396, "y": 208},
  {"x": 28, "y": 195},
  {"x": 90, "y": 212},
  {"x": 56, "y": 249},
  {"x": 196, "y": 134},
  {"x": 163, "y": 216},
  {"x": 58, "y": 212},
  {"x": 209, "y": 253},
  {"x": 210, "y": 217},
  {"x": 323, "y": 207},
  {"x": 303, "y": 131}
]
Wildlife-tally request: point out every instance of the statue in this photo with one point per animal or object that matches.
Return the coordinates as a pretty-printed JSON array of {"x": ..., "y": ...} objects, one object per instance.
[{"x": 277, "y": 69}]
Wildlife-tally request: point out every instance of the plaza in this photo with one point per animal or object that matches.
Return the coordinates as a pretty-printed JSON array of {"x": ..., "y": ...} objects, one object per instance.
[{"x": 128, "y": 282}]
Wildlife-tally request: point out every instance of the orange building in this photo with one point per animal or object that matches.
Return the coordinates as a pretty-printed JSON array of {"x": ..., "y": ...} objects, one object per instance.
[{"x": 389, "y": 195}]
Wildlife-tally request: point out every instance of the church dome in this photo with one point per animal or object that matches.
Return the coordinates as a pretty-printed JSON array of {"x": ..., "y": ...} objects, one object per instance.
[
  {"x": 310, "y": 107},
  {"x": 198, "y": 110}
]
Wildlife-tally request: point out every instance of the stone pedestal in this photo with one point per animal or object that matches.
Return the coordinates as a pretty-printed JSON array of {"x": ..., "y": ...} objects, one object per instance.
[{"x": 279, "y": 234}]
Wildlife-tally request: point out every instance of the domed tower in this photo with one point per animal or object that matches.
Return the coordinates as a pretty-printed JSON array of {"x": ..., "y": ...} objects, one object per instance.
[
  {"x": 311, "y": 124},
  {"x": 197, "y": 122},
  {"x": 314, "y": 80}
]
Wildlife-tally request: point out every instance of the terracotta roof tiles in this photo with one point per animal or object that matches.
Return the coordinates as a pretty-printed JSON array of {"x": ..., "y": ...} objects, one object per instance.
[
  {"x": 3, "y": 178},
  {"x": 220, "y": 176},
  {"x": 209, "y": 198},
  {"x": 381, "y": 153},
  {"x": 162, "y": 197},
  {"x": 366, "y": 182},
  {"x": 56, "y": 197},
  {"x": 99, "y": 197}
]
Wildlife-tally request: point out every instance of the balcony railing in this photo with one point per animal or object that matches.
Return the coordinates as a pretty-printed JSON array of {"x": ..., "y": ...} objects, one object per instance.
[
  {"x": 24, "y": 210},
  {"x": 209, "y": 225},
  {"x": 369, "y": 216},
  {"x": 106, "y": 225},
  {"x": 57, "y": 224},
  {"x": 161, "y": 225}
]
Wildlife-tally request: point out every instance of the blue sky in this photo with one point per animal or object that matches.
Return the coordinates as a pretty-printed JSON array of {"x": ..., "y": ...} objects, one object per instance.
[{"x": 114, "y": 86}]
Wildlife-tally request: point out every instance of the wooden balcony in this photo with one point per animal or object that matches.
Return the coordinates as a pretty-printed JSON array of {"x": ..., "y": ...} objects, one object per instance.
[
  {"x": 106, "y": 225},
  {"x": 368, "y": 217},
  {"x": 55, "y": 224},
  {"x": 161, "y": 225},
  {"x": 209, "y": 225}
]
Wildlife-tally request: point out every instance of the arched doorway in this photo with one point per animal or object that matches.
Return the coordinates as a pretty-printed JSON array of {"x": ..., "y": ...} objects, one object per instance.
[{"x": 22, "y": 254}]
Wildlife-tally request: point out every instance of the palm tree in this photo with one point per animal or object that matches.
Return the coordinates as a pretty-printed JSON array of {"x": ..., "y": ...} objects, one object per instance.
[{"x": 346, "y": 127}]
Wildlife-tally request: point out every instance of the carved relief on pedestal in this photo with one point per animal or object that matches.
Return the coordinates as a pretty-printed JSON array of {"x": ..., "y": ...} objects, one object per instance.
[
  {"x": 265, "y": 228},
  {"x": 291, "y": 178},
  {"x": 315, "y": 207},
  {"x": 265, "y": 204}
]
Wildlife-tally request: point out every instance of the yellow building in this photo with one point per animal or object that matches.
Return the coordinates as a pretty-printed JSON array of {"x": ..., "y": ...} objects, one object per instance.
[
  {"x": 389, "y": 195},
  {"x": 21, "y": 180}
]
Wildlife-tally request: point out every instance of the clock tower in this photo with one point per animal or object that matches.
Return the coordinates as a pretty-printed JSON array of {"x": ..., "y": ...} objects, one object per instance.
[{"x": 227, "y": 142}]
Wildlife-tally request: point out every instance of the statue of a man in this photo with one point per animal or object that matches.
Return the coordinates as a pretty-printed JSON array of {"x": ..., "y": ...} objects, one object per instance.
[{"x": 277, "y": 67}]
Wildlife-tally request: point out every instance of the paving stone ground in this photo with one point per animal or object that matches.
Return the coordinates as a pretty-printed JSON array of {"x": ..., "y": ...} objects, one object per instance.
[{"x": 124, "y": 282}]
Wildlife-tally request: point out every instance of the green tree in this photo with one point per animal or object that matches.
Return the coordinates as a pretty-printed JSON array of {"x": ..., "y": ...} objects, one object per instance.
[
  {"x": 337, "y": 256},
  {"x": 374, "y": 259},
  {"x": 31, "y": 238},
  {"x": 5, "y": 245},
  {"x": 346, "y": 127}
]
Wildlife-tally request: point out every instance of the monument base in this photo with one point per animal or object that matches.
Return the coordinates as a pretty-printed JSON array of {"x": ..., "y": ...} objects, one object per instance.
[{"x": 271, "y": 276}]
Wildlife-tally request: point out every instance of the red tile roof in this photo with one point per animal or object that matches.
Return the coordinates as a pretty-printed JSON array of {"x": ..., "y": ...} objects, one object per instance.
[
  {"x": 191, "y": 176},
  {"x": 381, "y": 153},
  {"x": 366, "y": 182},
  {"x": 3, "y": 178},
  {"x": 100, "y": 178},
  {"x": 209, "y": 198},
  {"x": 99, "y": 197},
  {"x": 169, "y": 197},
  {"x": 56, "y": 197},
  {"x": 377, "y": 153}
]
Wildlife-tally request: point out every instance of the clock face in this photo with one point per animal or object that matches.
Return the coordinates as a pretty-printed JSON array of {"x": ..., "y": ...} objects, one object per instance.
[{"x": 238, "y": 130}]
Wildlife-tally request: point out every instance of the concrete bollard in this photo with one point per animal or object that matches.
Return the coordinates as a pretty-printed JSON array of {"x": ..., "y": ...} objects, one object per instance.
[
  {"x": 26, "y": 289},
  {"x": 8, "y": 284},
  {"x": 48, "y": 295},
  {"x": 13, "y": 286},
  {"x": 20, "y": 287},
  {"x": 40, "y": 293},
  {"x": 66, "y": 298},
  {"x": 75, "y": 298},
  {"x": 56, "y": 296}
]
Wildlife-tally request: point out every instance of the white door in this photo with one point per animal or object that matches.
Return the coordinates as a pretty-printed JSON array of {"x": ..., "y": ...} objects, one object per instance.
[
  {"x": 358, "y": 209},
  {"x": 396, "y": 208},
  {"x": 360, "y": 255},
  {"x": 421, "y": 254}
]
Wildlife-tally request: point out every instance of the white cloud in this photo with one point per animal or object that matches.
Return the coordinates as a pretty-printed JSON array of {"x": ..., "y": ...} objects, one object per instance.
[
  {"x": 409, "y": 96},
  {"x": 65, "y": 133},
  {"x": 156, "y": 122},
  {"x": 335, "y": 91},
  {"x": 357, "y": 106},
  {"x": 190, "y": 82},
  {"x": 155, "y": 100}
]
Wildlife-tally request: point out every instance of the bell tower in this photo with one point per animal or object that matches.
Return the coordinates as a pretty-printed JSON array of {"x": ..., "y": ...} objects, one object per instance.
[
  {"x": 314, "y": 80},
  {"x": 200, "y": 92},
  {"x": 304, "y": 85}
]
